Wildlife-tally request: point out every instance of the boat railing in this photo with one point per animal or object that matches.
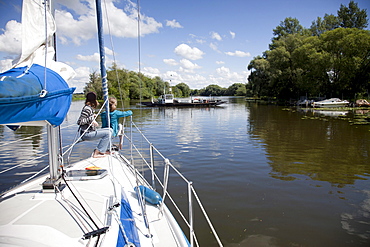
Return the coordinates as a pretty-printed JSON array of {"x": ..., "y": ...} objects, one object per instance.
[{"x": 153, "y": 160}]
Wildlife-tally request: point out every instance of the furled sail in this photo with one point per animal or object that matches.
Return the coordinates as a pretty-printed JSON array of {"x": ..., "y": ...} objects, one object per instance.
[{"x": 35, "y": 89}]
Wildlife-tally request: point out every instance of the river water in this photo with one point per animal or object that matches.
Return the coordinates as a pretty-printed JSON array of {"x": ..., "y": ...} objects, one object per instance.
[{"x": 267, "y": 175}]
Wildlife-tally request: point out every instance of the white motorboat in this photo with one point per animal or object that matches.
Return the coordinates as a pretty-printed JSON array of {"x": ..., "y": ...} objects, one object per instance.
[{"x": 328, "y": 103}]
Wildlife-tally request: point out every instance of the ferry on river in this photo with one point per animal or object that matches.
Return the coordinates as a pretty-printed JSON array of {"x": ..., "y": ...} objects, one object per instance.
[{"x": 170, "y": 100}]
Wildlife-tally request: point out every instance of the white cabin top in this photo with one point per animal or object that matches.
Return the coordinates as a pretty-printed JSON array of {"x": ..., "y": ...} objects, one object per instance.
[{"x": 166, "y": 99}]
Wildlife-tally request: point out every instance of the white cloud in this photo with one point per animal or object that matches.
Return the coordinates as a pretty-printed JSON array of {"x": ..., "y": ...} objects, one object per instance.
[
  {"x": 195, "y": 81},
  {"x": 220, "y": 62},
  {"x": 75, "y": 31},
  {"x": 216, "y": 36},
  {"x": 185, "y": 63},
  {"x": 90, "y": 58},
  {"x": 81, "y": 79},
  {"x": 223, "y": 71},
  {"x": 122, "y": 23},
  {"x": 108, "y": 51},
  {"x": 232, "y": 34},
  {"x": 171, "y": 62},
  {"x": 214, "y": 47},
  {"x": 95, "y": 58},
  {"x": 238, "y": 54},
  {"x": 11, "y": 39},
  {"x": 173, "y": 77},
  {"x": 225, "y": 77},
  {"x": 200, "y": 41},
  {"x": 187, "y": 52},
  {"x": 173, "y": 24},
  {"x": 151, "y": 72}
]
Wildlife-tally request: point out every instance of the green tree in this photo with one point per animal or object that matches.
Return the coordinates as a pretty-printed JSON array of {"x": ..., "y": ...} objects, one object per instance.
[
  {"x": 177, "y": 92},
  {"x": 183, "y": 89},
  {"x": 349, "y": 50},
  {"x": 213, "y": 90},
  {"x": 162, "y": 87},
  {"x": 286, "y": 75},
  {"x": 94, "y": 85},
  {"x": 236, "y": 89},
  {"x": 320, "y": 26},
  {"x": 117, "y": 82},
  {"x": 259, "y": 79},
  {"x": 288, "y": 26},
  {"x": 352, "y": 16}
]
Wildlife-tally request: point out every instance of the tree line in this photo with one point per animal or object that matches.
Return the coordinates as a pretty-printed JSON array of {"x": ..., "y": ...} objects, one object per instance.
[
  {"x": 331, "y": 58},
  {"x": 134, "y": 85}
]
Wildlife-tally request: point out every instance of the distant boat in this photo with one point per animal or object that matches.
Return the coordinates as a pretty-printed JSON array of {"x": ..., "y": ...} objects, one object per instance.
[
  {"x": 170, "y": 101},
  {"x": 328, "y": 103},
  {"x": 362, "y": 103}
]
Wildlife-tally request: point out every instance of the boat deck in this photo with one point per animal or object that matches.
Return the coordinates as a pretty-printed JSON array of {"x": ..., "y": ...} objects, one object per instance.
[{"x": 37, "y": 218}]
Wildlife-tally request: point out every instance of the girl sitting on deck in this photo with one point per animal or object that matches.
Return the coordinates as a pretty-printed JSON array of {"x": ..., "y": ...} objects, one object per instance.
[
  {"x": 115, "y": 115},
  {"x": 88, "y": 126}
]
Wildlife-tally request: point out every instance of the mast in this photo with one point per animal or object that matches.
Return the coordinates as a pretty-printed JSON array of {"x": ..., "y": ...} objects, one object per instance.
[
  {"x": 53, "y": 132},
  {"x": 102, "y": 56}
]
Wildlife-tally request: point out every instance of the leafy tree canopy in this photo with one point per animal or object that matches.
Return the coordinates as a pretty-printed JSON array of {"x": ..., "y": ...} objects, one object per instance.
[{"x": 330, "y": 58}]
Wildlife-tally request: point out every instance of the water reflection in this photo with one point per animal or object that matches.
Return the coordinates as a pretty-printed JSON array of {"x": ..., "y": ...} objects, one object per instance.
[
  {"x": 353, "y": 223},
  {"x": 23, "y": 147},
  {"x": 329, "y": 151}
]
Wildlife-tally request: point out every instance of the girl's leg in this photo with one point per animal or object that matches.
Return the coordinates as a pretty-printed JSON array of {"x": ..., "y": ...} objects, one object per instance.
[{"x": 105, "y": 135}]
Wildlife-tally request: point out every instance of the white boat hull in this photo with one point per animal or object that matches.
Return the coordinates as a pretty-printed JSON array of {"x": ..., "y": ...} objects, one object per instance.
[
  {"x": 330, "y": 103},
  {"x": 37, "y": 218}
]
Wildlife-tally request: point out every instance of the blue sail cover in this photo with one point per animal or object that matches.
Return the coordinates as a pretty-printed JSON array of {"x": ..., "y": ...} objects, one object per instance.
[{"x": 20, "y": 99}]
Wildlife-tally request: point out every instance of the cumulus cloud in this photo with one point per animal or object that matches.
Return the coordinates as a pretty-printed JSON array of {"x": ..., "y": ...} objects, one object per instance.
[
  {"x": 122, "y": 23},
  {"x": 225, "y": 76},
  {"x": 232, "y": 34},
  {"x": 11, "y": 39},
  {"x": 195, "y": 81},
  {"x": 81, "y": 79},
  {"x": 89, "y": 58},
  {"x": 185, "y": 63},
  {"x": 108, "y": 51},
  {"x": 96, "y": 57},
  {"x": 171, "y": 62},
  {"x": 187, "y": 52},
  {"x": 173, "y": 24},
  {"x": 173, "y": 77},
  {"x": 151, "y": 72},
  {"x": 220, "y": 62},
  {"x": 223, "y": 71},
  {"x": 238, "y": 54},
  {"x": 216, "y": 36}
]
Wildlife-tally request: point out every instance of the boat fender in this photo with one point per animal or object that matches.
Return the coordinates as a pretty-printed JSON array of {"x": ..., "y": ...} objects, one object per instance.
[{"x": 150, "y": 195}]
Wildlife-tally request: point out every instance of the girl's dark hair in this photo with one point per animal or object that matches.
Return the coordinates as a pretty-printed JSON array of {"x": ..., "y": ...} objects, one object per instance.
[{"x": 91, "y": 99}]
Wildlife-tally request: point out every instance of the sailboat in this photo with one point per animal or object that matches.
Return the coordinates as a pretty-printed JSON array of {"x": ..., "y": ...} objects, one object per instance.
[{"x": 94, "y": 202}]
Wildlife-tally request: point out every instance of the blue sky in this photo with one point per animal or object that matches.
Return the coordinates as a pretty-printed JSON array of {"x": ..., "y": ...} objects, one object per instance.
[{"x": 195, "y": 42}]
